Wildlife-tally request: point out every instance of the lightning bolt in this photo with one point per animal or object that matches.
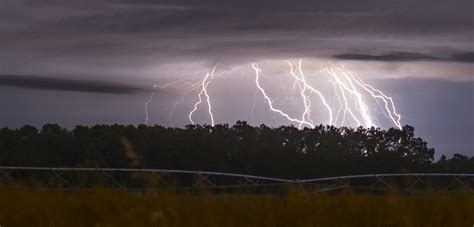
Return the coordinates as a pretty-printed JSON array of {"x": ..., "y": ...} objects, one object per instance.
[
  {"x": 348, "y": 86},
  {"x": 302, "y": 79},
  {"x": 388, "y": 101},
  {"x": 155, "y": 86},
  {"x": 204, "y": 83},
  {"x": 348, "y": 89},
  {"x": 335, "y": 89},
  {"x": 346, "y": 108},
  {"x": 270, "y": 102},
  {"x": 148, "y": 102},
  {"x": 306, "y": 101}
]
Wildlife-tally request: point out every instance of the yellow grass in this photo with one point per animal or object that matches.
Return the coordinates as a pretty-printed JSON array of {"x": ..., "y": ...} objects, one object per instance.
[{"x": 100, "y": 208}]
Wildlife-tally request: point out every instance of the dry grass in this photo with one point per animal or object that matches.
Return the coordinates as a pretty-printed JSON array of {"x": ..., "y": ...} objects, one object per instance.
[{"x": 100, "y": 208}]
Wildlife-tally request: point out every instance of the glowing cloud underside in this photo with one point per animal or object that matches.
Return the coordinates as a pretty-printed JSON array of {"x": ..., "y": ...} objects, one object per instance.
[{"x": 349, "y": 90}]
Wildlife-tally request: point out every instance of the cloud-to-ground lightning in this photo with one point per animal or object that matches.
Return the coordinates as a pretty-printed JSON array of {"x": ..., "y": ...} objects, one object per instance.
[
  {"x": 188, "y": 87},
  {"x": 205, "y": 82},
  {"x": 305, "y": 85},
  {"x": 349, "y": 87},
  {"x": 389, "y": 105},
  {"x": 306, "y": 101},
  {"x": 270, "y": 102},
  {"x": 148, "y": 103},
  {"x": 349, "y": 103}
]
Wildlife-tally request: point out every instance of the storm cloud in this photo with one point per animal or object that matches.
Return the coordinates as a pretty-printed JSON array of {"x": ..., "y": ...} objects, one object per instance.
[
  {"x": 406, "y": 56},
  {"x": 49, "y": 83},
  {"x": 214, "y": 29},
  {"x": 123, "y": 46}
]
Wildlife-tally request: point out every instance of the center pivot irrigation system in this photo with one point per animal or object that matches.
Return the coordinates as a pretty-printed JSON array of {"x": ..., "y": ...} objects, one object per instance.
[{"x": 129, "y": 179}]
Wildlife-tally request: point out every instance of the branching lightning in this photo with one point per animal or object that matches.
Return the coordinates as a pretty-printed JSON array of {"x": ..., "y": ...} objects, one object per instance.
[
  {"x": 305, "y": 85},
  {"x": 389, "y": 105},
  {"x": 348, "y": 86},
  {"x": 349, "y": 105},
  {"x": 270, "y": 102},
  {"x": 205, "y": 82},
  {"x": 155, "y": 86}
]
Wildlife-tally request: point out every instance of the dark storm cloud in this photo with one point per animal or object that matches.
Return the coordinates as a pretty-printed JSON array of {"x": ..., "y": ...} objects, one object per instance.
[
  {"x": 464, "y": 57},
  {"x": 181, "y": 17},
  {"x": 48, "y": 83},
  {"x": 105, "y": 27},
  {"x": 406, "y": 56}
]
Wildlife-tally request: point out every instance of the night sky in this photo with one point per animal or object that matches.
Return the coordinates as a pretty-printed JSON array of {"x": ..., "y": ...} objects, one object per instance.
[{"x": 85, "y": 62}]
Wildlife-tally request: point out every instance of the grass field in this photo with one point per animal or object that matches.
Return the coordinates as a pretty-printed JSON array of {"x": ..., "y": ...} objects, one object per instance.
[{"x": 101, "y": 208}]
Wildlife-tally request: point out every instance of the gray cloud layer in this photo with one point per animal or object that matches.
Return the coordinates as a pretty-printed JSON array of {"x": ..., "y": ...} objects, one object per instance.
[
  {"x": 406, "y": 56},
  {"x": 104, "y": 28},
  {"x": 48, "y": 83},
  {"x": 101, "y": 37}
]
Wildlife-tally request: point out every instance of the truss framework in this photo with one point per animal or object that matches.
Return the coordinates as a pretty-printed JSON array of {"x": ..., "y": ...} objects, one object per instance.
[{"x": 129, "y": 179}]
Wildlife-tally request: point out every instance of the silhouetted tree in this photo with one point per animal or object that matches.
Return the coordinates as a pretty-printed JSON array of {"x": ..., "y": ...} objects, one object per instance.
[{"x": 284, "y": 151}]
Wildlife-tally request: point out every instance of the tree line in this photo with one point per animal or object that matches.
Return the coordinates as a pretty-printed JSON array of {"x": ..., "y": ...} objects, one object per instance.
[{"x": 284, "y": 151}]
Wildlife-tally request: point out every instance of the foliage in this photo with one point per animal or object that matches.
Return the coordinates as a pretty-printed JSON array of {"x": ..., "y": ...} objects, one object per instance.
[{"x": 285, "y": 151}]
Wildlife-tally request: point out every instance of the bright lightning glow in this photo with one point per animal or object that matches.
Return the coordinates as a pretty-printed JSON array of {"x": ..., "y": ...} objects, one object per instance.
[
  {"x": 337, "y": 73},
  {"x": 306, "y": 102},
  {"x": 311, "y": 88},
  {"x": 205, "y": 82},
  {"x": 392, "y": 110},
  {"x": 270, "y": 102},
  {"x": 352, "y": 96}
]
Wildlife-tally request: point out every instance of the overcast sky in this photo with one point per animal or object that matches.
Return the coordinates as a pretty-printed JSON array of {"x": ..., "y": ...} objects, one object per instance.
[{"x": 95, "y": 61}]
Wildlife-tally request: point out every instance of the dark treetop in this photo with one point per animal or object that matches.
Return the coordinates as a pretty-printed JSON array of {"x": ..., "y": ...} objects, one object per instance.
[{"x": 281, "y": 152}]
